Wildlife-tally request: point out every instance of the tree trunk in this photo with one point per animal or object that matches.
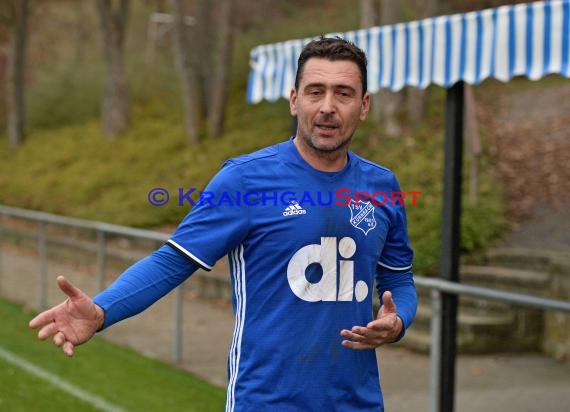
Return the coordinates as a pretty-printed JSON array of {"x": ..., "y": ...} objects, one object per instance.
[
  {"x": 220, "y": 84},
  {"x": 15, "y": 84},
  {"x": 390, "y": 11},
  {"x": 185, "y": 71},
  {"x": 369, "y": 18},
  {"x": 82, "y": 32},
  {"x": 368, "y": 14},
  {"x": 389, "y": 102},
  {"x": 417, "y": 98},
  {"x": 205, "y": 29},
  {"x": 115, "y": 105}
]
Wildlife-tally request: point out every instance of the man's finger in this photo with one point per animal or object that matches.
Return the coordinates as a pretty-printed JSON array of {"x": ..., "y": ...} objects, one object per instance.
[
  {"x": 67, "y": 288},
  {"x": 41, "y": 319},
  {"x": 388, "y": 303},
  {"x": 360, "y": 330},
  {"x": 352, "y": 336},
  {"x": 58, "y": 339},
  {"x": 379, "y": 325},
  {"x": 356, "y": 345},
  {"x": 68, "y": 348},
  {"x": 47, "y": 331}
]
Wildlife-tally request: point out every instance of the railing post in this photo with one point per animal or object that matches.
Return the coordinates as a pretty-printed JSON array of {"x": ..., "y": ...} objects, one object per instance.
[
  {"x": 435, "y": 351},
  {"x": 101, "y": 258},
  {"x": 177, "y": 327},
  {"x": 42, "y": 274}
]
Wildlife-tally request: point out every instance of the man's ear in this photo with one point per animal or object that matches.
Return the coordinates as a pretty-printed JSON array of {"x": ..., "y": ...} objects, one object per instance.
[
  {"x": 293, "y": 102},
  {"x": 365, "y": 107}
]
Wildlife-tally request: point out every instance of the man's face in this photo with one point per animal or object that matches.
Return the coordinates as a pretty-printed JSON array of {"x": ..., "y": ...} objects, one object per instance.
[{"x": 329, "y": 104}]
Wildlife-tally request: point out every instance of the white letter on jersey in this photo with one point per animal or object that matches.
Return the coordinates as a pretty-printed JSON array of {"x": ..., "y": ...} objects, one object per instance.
[
  {"x": 346, "y": 248},
  {"x": 323, "y": 254},
  {"x": 326, "y": 288}
]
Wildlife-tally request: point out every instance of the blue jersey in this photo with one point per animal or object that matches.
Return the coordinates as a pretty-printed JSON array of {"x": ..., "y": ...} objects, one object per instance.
[{"x": 305, "y": 248}]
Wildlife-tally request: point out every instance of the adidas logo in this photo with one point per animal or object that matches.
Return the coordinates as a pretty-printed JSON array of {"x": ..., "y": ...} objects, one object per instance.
[{"x": 294, "y": 209}]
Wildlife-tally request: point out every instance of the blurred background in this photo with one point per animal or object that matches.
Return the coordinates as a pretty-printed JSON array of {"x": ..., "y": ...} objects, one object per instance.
[
  {"x": 101, "y": 94},
  {"x": 104, "y": 100}
]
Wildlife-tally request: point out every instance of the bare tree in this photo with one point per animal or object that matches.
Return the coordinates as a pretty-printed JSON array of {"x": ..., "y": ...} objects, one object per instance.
[
  {"x": 115, "y": 105},
  {"x": 185, "y": 70},
  {"x": 369, "y": 18},
  {"x": 206, "y": 66},
  {"x": 15, "y": 14},
  {"x": 206, "y": 29},
  {"x": 368, "y": 13},
  {"x": 389, "y": 102},
  {"x": 417, "y": 98},
  {"x": 220, "y": 84},
  {"x": 81, "y": 31}
]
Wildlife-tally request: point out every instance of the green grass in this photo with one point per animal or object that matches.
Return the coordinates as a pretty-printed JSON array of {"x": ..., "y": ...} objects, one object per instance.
[
  {"x": 119, "y": 376},
  {"x": 22, "y": 392}
]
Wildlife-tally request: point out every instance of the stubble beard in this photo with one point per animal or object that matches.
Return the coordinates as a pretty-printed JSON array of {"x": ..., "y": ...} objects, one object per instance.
[
  {"x": 328, "y": 152},
  {"x": 324, "y": 151}
]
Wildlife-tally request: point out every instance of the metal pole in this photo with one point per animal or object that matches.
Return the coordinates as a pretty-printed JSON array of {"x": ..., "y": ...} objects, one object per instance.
[
  {"x": 450, "y": 240},
  {"x": 435, "y": 350},
  {"x": 101, "y": 258},
  {"x": 177, "y": 327},
  {"x": 42, "y": 275}
]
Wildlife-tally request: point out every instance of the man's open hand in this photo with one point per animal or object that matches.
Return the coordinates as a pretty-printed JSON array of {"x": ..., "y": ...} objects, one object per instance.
[
  {"x": 72, "y": 322},
  {"x": 385, "y": 329}
]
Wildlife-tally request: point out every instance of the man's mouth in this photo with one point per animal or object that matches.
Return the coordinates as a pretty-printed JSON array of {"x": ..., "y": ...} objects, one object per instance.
[{"x": 326, "y": 126}]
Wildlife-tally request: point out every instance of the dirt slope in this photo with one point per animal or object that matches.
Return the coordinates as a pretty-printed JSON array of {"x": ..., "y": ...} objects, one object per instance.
[{"x": 530, "y": 147}]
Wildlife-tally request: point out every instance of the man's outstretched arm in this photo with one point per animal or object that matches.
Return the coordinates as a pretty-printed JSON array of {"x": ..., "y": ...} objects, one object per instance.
[{"x": 78, "y": 318}]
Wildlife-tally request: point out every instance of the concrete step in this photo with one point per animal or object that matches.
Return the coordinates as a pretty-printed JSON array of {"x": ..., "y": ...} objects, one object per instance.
[
  {"x": 478, "y": 331},
  {"x": 486, "y": 326},
  {"x": 513, "y": 279},
  {"x": 533, "y": 259},
  {"x": 419, "y": 340},
  {"x": 472, "y": 318}
]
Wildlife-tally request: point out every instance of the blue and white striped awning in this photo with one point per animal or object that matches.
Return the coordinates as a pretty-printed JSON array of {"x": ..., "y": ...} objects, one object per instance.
[{"x": 531, "y": 40}]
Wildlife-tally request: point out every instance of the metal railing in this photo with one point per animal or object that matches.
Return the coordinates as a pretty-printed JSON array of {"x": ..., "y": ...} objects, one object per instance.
[
  {"x": 102, "y": 230},
  {"x": 437, "y": 287}
]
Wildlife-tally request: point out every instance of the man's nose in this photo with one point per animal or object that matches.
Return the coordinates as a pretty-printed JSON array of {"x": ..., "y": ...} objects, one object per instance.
[{"x": 327, "y": 104}]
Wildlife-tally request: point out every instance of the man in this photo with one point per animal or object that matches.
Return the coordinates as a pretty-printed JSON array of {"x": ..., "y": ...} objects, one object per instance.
[{"x": 302, "y": 269}]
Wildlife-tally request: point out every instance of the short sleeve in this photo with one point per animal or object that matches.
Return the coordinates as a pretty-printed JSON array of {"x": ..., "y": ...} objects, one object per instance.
[{"x": 217, "y": 223}]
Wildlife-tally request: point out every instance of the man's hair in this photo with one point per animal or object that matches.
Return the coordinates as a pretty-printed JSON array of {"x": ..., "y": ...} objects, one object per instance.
[{"x": 333, "y": 48}]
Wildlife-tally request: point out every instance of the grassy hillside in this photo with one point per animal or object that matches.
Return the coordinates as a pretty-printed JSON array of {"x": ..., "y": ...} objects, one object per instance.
[{"x": 68, "y": 167}]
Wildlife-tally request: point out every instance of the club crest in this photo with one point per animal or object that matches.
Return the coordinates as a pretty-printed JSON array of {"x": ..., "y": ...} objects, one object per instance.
[{"x": 362, "y": 216}]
